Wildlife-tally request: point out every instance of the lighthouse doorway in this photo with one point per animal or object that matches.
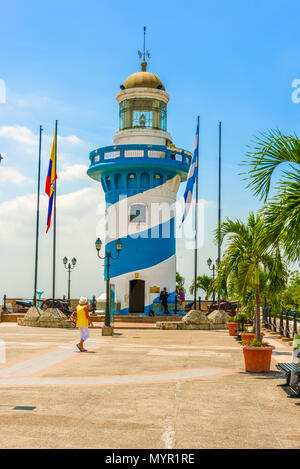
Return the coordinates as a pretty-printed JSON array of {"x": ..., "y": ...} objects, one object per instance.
[{"x": 136, "y": 296}]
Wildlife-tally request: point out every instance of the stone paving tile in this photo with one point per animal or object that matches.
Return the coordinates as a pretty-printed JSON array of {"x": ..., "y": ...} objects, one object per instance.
[{"x": 233, "y": 410}]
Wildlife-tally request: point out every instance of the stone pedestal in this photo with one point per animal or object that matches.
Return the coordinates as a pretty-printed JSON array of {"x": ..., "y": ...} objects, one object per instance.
[
  {"x": 218, "y": 318},
  {"x": 51, "y": 317},
  {"x": 195, "y": 319},
  {"x": 107, "y": 330},
  {"x": 32, "y": 317}
]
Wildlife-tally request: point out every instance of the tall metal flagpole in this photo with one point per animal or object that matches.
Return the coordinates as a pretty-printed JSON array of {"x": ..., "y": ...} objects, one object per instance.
[
  {"x": 196, "y": 223},
  {"x": 219, "y": 204},
  {"x": 37, "y": 219},
  {"x": 54, "y": 217}
]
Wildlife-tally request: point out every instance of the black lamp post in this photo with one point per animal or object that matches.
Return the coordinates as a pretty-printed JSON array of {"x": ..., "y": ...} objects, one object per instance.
[
  {"x": 213, "y": 268},
  {"x": 107, "y": 257},
  {"x": 69, "y": 268}
]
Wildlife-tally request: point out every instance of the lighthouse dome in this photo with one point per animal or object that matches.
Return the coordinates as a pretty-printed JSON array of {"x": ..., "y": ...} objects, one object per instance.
[{"x": 143, "y": 80}]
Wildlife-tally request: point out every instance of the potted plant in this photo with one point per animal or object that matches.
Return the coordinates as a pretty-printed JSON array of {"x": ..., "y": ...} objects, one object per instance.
[
  {"x": 257, "y": 356},
  {"x": 232, "y": 325},
  {"x": 247, "y": 336}
]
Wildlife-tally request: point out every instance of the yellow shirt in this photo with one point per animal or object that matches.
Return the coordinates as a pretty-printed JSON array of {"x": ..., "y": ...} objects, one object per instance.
[{"x": 82, "y": 320}]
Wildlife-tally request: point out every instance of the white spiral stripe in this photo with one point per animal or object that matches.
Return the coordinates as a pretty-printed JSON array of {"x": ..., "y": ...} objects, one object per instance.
[{"x": 160, "y": 202}]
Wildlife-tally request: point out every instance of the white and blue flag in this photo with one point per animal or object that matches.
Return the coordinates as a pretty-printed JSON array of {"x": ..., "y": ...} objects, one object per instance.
[{"x": 192, "y": 176}]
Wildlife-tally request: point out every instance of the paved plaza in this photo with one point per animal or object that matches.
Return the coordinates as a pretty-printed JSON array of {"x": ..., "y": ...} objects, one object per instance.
[{"x": 141, "y": 388}]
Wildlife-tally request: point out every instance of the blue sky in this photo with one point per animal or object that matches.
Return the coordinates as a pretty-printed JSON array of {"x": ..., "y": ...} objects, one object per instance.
[{"x": 226, "y": 61}]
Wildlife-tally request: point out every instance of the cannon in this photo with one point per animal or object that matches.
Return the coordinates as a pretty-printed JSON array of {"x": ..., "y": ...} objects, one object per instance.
[
  {"x": 188, "y": 306},
  {"x": 25, "y": 304},
  {"x": 62, "y": 305},
  {"x": 227, "y": 306}
]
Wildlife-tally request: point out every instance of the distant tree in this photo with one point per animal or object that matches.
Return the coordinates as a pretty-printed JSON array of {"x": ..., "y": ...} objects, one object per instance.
[
  {"x": 204, "y": 282},
  {"x": 179, "y": 282},
  {"x": 290, "y": 298}
]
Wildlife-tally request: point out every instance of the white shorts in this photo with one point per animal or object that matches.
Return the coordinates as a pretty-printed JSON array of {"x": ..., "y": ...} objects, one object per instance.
[{"x": 84, "y": 332}]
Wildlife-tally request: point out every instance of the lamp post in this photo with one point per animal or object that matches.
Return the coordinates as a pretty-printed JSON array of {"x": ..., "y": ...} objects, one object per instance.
[
  {"x": 213, "y": 268},
  {"x": 107, "y": 257},
  {"x": 39, "y": 294},
  {"x": 69, "y": 268}
]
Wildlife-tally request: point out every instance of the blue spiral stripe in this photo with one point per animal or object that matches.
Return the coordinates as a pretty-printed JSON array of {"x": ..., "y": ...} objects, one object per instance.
[{"x": 144, "y": 249}]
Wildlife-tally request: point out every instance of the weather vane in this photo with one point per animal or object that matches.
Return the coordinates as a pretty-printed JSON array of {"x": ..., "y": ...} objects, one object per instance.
[{"x": 144, "y": 54}]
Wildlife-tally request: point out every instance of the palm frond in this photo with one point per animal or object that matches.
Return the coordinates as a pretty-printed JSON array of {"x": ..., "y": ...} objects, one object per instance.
[
  {"x": 282, "y": 217},
  {"x": 270, "y": 150}
]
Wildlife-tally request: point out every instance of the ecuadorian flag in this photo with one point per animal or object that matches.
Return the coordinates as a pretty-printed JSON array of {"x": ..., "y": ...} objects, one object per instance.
[{"x": 50, "y": 181}]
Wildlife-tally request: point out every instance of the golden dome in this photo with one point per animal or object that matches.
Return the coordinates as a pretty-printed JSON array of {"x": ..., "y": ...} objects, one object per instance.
[{"x": 143, "y": 80}]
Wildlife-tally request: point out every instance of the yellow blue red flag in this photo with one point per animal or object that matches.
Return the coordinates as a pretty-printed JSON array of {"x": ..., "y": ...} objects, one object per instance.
[{"x": 50, "y": 181}]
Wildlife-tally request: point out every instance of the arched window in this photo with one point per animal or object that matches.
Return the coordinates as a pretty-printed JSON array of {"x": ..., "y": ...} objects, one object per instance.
[
  {"x": 131, "y": 181},
  {"x": 145, "y": 180},
  {"x": 108, "y": 182},
  {"x": 118, "y": 181},
  {"x": 158, "y": 179},
  {"x": 138, "y": 213}
]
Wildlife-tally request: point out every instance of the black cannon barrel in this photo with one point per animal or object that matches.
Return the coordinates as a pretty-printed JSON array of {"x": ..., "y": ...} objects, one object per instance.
[{"x": 26, "y": 304}]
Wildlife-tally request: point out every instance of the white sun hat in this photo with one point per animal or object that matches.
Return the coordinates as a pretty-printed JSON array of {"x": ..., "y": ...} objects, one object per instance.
[{"x": 83, "y": 300}]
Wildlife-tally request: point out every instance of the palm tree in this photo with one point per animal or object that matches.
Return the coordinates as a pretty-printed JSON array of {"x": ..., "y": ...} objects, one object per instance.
[
  {"x": 204, "y": 282},
  {"x": 245, "y": 255},
  {"x": 282, "y": 211},
  {"x": 179, "y": 282}
]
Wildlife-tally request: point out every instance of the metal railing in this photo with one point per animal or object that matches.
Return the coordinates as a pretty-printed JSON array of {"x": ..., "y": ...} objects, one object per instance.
[
  {"x": 176, "y": 155},
  {"x": 7, "y": 308},
  {"x": 286, "y": 322}
]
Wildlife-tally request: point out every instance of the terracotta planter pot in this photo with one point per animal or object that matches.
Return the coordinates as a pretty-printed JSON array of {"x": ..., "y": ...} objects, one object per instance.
[
  {"x": 250, "y": 336},
  {"x": 257, "y": 359},
  {"x": 231, "y": 327}
]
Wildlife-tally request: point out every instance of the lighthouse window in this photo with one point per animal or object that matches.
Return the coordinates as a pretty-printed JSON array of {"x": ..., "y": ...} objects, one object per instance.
[
  {"x": 137, "y": 213},
  {"x": 144, "y": 113},
  {"x": 163, "y": 118},
  {"x": 142, "y": 119}
]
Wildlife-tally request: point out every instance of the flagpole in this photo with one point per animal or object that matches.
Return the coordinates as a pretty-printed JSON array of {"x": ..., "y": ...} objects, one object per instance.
[
  {"x": 54, "y": 217},
  {"x": 196, "y": 223},
  {"x": 37, "y": 219},
  {"x": 219, "y": 202}
]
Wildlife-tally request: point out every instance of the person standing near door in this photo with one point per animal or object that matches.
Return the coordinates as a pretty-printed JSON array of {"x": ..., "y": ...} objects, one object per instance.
[{"x": 164, "y": 295}]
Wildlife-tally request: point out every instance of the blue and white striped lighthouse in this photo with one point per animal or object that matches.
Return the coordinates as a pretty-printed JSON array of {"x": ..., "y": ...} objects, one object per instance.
[{"x": 140, "y": 175}]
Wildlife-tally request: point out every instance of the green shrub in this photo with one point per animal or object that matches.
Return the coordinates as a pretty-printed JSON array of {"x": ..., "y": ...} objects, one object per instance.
[
  {"x": 241, "y": 316},
  {"x": 232, "y": 319},
  {"x": 255, "y": 343}
]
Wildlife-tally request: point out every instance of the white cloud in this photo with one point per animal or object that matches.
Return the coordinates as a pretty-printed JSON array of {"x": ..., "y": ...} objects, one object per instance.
[
  {"x": 76, "y": 234},
  {"x": 71, "y": 139},
  {"x": 12, "y": 176},
  {"x": 19, "y": 134},
  {"x": 72, "y": 172},
  {"x": 25, "y": 136}
]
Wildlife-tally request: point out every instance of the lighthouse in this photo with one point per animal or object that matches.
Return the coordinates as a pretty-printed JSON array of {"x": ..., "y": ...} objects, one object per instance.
[{"x": 140, "y": 175}]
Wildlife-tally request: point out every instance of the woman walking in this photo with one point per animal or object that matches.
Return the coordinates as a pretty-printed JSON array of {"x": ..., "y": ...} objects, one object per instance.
[{"x": 82, "y": 322}]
